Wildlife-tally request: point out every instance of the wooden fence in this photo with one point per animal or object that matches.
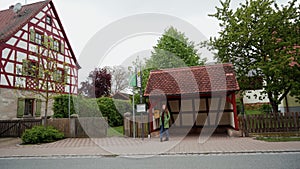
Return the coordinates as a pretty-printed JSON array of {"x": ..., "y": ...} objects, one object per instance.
[
  {"x": 140, "y": 126},
  {"x": 94, "y": 127},
  {"x": 74, "y": 127},
  {"x": 270, "y": 122},
  {"x": 264, "y": 123},
  {"x": 82, "y": 127},
  {"x": 61, "y": 124},
  {"x": 15, "y": 128}
]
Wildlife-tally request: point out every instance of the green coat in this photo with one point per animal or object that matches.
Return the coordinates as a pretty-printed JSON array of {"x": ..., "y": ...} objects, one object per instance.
[{"x": 166, "y": 120}]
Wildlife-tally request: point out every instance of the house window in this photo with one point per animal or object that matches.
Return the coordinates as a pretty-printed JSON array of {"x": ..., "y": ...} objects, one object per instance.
[
  {"x": 32, "y": 68},
  {"x": 51, "y": 42},
  {"x": 56, "y": 45},
  {"x": 32, "y": 35},
  {"x": 48, "y": 20},
  {"x": 38, "y": 38},
  {"x": 29, "y": 107},
  {"x": 62, "y": 47},
  {"x": 59, "y": 75},
  {"x": 28, "y": 111}
]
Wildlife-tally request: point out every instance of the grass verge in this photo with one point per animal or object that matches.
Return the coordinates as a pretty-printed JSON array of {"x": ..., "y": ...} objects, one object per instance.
[
  {"x": 115, "y": 131},
  {"x": 278, "y": 139},
  {"x": 251, "y": 112}
]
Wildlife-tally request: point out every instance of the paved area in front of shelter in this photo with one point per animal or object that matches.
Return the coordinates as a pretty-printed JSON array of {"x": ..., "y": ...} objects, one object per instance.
[{"x": 129, "y": 147}]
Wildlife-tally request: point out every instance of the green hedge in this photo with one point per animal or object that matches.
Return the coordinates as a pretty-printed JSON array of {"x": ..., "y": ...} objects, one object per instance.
[
  {"x": 61, "y": 106},
  {"x": 86, "y": 107},
  {"x": 78, "y": 105},
  {"x": 113, "y": 109},
  {"x": 41, "y": 134}
]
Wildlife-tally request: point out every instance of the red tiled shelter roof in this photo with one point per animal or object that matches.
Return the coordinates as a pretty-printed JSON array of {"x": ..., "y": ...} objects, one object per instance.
[
  {"x": 190, "y": 80},
  {"x": 11, "y": 22}
]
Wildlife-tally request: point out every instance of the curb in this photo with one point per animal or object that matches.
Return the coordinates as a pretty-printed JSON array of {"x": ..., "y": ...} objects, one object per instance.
[{"x": 148, "y": 155}]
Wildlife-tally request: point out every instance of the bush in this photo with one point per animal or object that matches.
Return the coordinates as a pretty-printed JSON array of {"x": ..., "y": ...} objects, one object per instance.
[
  {"x": 239, "y": 106},
  {"x": 266, "y": 108},
  {"x": 113, "y": 109},
  {"x": 87, "y": 107},
  {"x": 108, "y": 109},
  {"x": 41, "y": 134},
  {"x": 61, "y": 106},
  {"x": 84, "y": 107},
  {"x": 122, "y": 106}
]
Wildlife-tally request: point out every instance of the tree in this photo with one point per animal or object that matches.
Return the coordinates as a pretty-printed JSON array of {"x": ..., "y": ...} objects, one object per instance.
[
  {"x": 97, "y": 84},
  {"x": 46, "y": 75},
  {"x": 119, "y": 78},
  {"x": 259, "y": 38},
  {"x": 174, "y": 50}
]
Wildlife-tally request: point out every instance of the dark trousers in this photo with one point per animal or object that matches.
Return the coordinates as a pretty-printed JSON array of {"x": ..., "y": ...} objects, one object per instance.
[{"x": 164, "y": 131}]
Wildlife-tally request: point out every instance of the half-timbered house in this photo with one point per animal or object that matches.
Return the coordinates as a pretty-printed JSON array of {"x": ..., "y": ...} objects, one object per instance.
[{"x": 32, "y": 37}]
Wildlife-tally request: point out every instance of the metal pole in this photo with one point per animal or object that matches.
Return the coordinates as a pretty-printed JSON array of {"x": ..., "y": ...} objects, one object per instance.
[
  {"x": 141, "y": 100},
  {"x": 141, "y": 90},
  {"x": 133, "y": 112},
  {"x": 149, "y": 134},
  {"x": 69, "y": 107},
  {"x": 69, "y": 103},
  {"x": 133, "y": 109}
]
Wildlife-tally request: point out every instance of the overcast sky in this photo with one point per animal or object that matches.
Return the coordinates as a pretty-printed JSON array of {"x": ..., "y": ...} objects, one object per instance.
[{"x": 82, "y": 19}]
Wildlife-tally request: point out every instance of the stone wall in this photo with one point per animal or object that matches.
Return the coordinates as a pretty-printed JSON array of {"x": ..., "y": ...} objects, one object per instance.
[
  {"x": 82, "y": 127},
  {"x": 9, "y": 102}
]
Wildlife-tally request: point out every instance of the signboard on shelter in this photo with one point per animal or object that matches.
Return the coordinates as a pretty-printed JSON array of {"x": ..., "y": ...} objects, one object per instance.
[{"x": 141, "y": 108}]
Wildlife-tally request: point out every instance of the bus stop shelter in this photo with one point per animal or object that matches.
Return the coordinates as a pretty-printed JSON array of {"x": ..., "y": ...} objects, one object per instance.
[{"x": 195, "y": 96}]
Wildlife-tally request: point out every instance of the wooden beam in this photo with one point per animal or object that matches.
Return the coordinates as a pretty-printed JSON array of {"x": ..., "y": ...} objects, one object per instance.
[{"x": 236, "y": 124}]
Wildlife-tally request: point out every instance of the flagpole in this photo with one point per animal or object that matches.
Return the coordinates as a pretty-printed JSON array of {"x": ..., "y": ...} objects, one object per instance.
[
  {"x": 132, "y": 83},
  {"x": 133, "y": 112}
]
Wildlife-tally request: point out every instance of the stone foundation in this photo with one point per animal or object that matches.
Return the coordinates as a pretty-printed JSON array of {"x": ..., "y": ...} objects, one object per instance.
[{"x": 9, "y": 102}]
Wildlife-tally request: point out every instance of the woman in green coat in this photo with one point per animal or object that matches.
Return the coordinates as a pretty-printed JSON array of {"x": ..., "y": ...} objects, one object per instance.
[{"x": 164, "y": 123}]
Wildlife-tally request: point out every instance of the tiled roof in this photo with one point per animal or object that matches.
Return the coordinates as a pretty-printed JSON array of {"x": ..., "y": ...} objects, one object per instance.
[
  {"x": 189, "y": 80},
  {"x": 122, "y": 96},
  {"x": 11, "y": 22}
]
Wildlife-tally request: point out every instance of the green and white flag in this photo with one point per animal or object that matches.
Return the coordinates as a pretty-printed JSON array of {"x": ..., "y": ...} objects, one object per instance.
[{"x": 132, "y": 80}]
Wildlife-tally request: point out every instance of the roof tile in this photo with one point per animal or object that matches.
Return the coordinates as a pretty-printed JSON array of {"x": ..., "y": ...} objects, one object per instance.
[
  {"x": 11, "y": 22},
  {"x": 189, "y": 80}
]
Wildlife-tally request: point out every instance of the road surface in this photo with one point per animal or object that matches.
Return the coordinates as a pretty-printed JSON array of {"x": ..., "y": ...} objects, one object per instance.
[{"x": 224, "y": 161}]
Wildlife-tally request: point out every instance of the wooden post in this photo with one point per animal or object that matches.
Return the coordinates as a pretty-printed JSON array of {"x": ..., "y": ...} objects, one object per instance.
[
  {"x": 19, "y": 128},
  {"x": 236, "y": 125},
  {"x": 297, "y": 121},
  {"x": 270, "y": 122}
]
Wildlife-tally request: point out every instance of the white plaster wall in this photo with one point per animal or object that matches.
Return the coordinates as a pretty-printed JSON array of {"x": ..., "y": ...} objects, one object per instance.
[
  {"x": 252, "y": 99},
  {"x": 294, "y": 106}
]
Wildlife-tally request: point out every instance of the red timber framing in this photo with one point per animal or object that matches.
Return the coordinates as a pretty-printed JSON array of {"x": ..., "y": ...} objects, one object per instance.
[
  {"x": 20, "y": 41},
  {"x": 196, "y": 117},
  {"x": 231, "y": 99}
]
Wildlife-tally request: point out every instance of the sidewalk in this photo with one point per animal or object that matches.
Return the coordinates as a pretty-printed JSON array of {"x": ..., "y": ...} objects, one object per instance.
[{"x": 130, "y": 147}]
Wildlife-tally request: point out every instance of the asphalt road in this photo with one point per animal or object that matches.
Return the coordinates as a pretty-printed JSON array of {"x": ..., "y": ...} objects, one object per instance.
[{"x": 230, "y": 161}]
